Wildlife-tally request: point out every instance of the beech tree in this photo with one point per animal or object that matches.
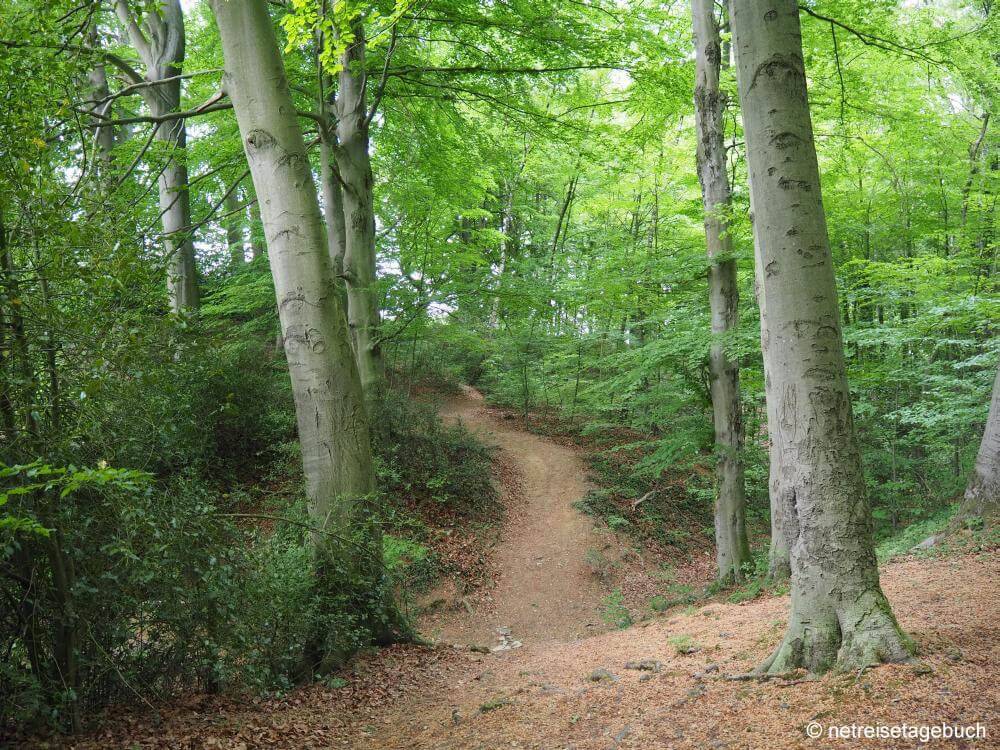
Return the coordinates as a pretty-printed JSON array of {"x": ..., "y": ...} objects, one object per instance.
[
  {"x": 157, "y": 35},
  {"x": 839, "y": 617},
  {"x": 982, "y": 495},
  {"x": 329, "y": 404},
  {"x": 731, "y": 548},
  {"x": 354, "y": 116}
]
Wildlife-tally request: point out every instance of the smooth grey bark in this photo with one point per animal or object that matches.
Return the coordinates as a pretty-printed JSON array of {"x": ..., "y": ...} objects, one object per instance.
[
  {"x": 839, "y": 617},
  {"x": 159, "y": 41},
  {"x": 329, "y": 405},
  {"x": 234, "y": 230},
  {"x": 354, "y": 164},
  {"x": 258, "y": 245},
  {"x": 731, "y": 546},
  {"x": 99, "y": 103},
  {"x": 982, "y": 495},
  {"x": 778, "y": 564},
  {"x": 330, "y": 179}
]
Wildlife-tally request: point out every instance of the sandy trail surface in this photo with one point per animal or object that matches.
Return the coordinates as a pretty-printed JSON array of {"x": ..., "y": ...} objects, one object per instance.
[{"x": 545, "y": 588}]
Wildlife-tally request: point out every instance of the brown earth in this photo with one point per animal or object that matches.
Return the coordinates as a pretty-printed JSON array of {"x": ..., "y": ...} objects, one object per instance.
[
  {"x": 545, "y": 589},
  {"x": 542, "y": 696}
]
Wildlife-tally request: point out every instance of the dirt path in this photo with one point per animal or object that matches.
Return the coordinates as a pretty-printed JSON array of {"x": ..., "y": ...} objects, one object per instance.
[
  {"x": 543, "y": 696},
  {"x": 661, "y": 683},
  {"x": 545, "y": 590}
]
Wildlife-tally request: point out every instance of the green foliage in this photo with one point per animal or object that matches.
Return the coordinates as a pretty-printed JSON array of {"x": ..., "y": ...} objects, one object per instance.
[
  {"x": 683, "y": 644},
  {"x": 904, "y": 542},
  {"x": 614, "y": 611},
  {"x": 409, "y": 561},
  {"x": 659, "y": 603},
  {"x": 438, "y": 469},
  {"x": 539, "y": 235},
  {"x": 756, "y": 581}
]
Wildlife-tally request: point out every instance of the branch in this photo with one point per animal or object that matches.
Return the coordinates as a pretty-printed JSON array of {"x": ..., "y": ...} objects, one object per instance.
[
  {"x": 123, "y": 65},
  {"x": 482, "y": 69},
  {"x": 214, "y": 209},
  {"x": 875, "y": 41},
  {"x": 377, "y": 98},
  {"x": 127, "y": 90},
  {"x": 212, "y": 104},
  {"x": 135, "y": 34}
]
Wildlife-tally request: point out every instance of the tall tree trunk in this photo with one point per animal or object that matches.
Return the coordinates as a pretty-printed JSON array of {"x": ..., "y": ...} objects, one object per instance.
[
  {"x": 100, "y": 104},
  {"x": 159, "y": 42},
  {"x": 354, "y": 163},
  {"x": 779, "y": 566},
  {"x": 329, "y": 405},
  {"x": 234, "y": 230},
  {"x": 330, "y": 178},
  {"x": 982, "y": 495},
  {"x": 258, "y": 246},
  {"x": 839, "y": 617},
  {"x": 732, "y": 549}
]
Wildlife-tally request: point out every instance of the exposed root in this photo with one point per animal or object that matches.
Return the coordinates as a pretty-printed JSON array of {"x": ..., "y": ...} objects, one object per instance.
[{"x": 849, "y": 642}]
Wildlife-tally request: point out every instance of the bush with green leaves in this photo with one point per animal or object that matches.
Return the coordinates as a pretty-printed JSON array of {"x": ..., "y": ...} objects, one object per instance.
[{"x": 433, "y": 467}]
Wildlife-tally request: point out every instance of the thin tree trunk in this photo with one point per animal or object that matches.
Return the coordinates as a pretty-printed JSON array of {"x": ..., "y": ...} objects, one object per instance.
[
  {"x": 332, "y": 420},
  {"x": 354, "y": 163},
  {"x": 839, "y": 617},
  {"x": 100, "y": 104},
  {"x": 982, "y": 495},
  {"x": 778, "y": 563},
  {"x": 258, "y": 246},
  {"x": 159, "y": 42},
  {"x": 331, "y": 181},
  {"x": 234, "y": 230},
  {"x": 731, "y": 546},
  {"x": 975, "y": 148}
]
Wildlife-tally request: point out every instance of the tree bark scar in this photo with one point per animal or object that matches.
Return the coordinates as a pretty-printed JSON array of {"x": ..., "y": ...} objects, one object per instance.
[
  {"x": 259, "y": 140},
  {"x": 786, "y": 184},
  {"x": 777, "y": 64},
  {"x": 785, "y": 139},
  {"x": 788, "y": 415}
]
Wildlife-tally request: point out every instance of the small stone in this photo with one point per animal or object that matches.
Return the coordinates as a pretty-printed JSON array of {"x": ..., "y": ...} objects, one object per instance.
[
  {"x": 602, "y": 675},
  {"x": 711, "y": 668},
  {"x": 929, "y": 542},
  {"x": 645, "y": 677},
  {"x": 645, "y": 665}
]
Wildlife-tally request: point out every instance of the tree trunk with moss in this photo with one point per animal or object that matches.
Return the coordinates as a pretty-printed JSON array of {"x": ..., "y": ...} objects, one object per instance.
[
  {"x": 840, "y": 617},
  {"x": 355, "y": 169},
  {"x": 732, "y": 549}
]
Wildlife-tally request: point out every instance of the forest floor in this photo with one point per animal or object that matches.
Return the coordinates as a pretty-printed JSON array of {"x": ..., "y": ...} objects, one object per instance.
[{"x": 575, "y": 683}]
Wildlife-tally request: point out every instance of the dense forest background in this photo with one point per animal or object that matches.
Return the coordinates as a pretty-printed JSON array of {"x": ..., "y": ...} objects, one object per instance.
[{"x": 539, "y": 235}]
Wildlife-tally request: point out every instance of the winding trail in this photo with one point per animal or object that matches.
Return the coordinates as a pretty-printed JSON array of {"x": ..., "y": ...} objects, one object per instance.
[{"x": 546, "y": 590}]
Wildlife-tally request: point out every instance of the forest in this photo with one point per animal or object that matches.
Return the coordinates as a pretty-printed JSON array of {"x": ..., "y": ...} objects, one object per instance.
[{"x": 457, "y": 374}]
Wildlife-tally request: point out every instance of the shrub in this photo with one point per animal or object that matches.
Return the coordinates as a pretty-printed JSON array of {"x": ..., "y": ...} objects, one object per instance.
[{"x": 614, "y": 612}]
